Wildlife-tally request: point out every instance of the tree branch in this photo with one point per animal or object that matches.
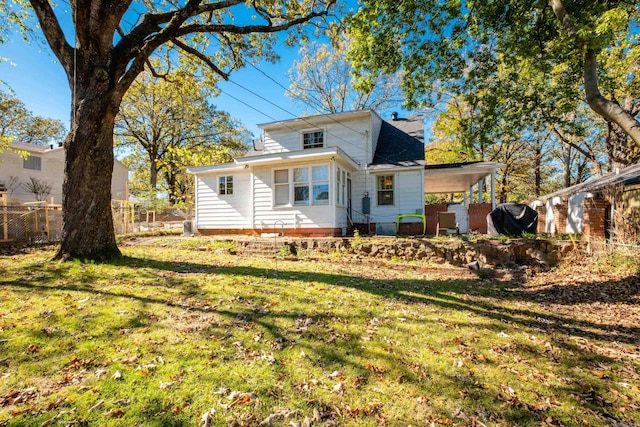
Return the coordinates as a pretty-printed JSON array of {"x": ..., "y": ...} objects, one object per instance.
[
  {"x": 608, "y": 109},
  {"x": 201, "y": 57},
  {"x": 582, "y": 151},
  {"x": 54, "y": 34},
  {"x": 249, "y": 29}
]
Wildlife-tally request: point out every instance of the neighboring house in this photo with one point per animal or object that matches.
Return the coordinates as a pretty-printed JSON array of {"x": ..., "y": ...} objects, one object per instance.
[
  {"x": 564, "y": 210},
  {"x": 315, "y": 176},
  {"x": 45, "y": 164}
]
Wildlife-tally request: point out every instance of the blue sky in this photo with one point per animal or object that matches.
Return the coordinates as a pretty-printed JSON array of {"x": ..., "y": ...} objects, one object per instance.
[{"x": 37, "y": 79}]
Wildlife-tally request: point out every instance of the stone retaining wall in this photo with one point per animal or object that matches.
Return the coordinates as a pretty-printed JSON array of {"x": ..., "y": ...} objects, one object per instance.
[{"x": 488, "y": 253}]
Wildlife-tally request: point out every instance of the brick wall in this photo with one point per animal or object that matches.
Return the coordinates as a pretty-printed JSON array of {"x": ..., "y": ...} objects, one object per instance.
[
  {"x": 478, "y": 217},
  {"x": 560, "y": 212},
  {"x": 431, "y": 213},
  {"x": 594, "y": 219},
  {"x": 410, "y": 229}
]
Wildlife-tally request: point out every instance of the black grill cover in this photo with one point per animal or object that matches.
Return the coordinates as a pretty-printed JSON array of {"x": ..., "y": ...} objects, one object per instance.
[{"x": 513, "y": 219}]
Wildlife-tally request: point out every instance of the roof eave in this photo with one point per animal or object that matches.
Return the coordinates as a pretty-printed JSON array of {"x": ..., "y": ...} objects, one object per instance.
[{"x": 313, "y": 120}]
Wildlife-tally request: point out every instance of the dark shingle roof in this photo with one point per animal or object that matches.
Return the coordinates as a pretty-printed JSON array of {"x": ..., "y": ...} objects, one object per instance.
[{"x": 401, "y": 142}]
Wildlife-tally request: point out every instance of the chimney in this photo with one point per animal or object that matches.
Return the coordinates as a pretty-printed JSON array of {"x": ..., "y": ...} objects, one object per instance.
[{"x": 394, "y": 116}]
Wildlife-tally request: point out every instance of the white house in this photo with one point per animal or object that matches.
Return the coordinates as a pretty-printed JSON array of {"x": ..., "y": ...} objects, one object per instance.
[
  {"x": 313, "y": 176},
  {"x": 46, "y": 164}
]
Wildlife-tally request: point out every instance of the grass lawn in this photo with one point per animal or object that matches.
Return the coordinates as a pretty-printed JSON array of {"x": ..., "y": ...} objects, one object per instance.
[{"x": 172, "y": 335}]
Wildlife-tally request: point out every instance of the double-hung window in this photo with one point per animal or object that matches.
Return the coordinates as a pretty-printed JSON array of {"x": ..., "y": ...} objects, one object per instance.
[
  {"x": 385, "y": 189},
  {"x": 225, "y": 185},
  {"x": 341, "y": 185},
  {"x": 301, "y": 186},
  {"x": 305, "y": 186},
  {"x": 281, "y": 187},
  {"x": 313, "y": 139},
  {"x": 320, "y": 185}
]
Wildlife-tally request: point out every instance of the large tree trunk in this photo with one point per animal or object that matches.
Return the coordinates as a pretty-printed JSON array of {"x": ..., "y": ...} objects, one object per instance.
[
  {"x": 153, "y": 174},
  {"x": 537, "y": 161},
  {"x": 87, "y": 222},
  {"x": 566, "y": 165}
]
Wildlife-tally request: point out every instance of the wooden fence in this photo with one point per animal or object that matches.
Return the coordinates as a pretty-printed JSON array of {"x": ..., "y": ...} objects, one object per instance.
[{"x": 41, "y": 222}]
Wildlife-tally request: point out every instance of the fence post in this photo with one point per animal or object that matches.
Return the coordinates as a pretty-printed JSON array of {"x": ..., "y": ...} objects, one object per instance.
[
  {"x": 46, "y": 219},
  {"x": 5, "y": 217}
]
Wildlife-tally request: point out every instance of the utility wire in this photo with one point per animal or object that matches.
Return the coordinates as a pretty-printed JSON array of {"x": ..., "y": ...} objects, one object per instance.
[
  {"x": 284, "y": 122},
  {"x": 293, "y": 115},
  {"x": 319, "y": 103}
]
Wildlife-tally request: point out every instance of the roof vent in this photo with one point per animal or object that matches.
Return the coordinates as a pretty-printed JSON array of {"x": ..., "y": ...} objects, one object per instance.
[{"x": 394, "y": 116}]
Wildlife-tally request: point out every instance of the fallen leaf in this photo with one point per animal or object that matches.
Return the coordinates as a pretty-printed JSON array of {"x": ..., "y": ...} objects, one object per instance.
[
  {"x": 205, "y": 420},
  {"x": 165, "y": 385}
]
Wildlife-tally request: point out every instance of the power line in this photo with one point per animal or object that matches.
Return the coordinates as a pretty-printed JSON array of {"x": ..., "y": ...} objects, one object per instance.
[
  {"x": 319, "y": 102},
  {"x": 293, "y": 115}
]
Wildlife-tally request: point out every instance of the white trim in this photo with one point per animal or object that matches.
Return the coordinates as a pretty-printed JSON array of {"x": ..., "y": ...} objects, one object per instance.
[
  {"x": 319, "y": 119},
  {"x": 291, "y": 156},
  {"x": 214, "y": 168},
  {"x": 291, "y": 184},
  {"x": 313, "y": 130},
  {"x": 394, "y": 189},
  {"x": 252, "y": 207}
]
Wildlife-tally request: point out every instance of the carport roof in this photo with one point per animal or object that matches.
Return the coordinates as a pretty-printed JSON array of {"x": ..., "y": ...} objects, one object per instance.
[
  {"x": 456, "y": 177},
  {"x": 624, "y": 177}
]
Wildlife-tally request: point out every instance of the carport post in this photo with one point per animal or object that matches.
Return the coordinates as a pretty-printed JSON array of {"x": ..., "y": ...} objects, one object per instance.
[{"x": 493, "y": 189}]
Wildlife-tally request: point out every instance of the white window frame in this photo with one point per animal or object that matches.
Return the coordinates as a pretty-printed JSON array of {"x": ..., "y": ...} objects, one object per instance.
[
  {"x": 313, "y": 132},
  {"x": 286, "y": 184},
  {"x": 341, "y": 186},
  {"x": 301, "y": 184},
  {"x": 380, "y": 179},
  {"x": 311, "y": 184},
  {"x": 224, "y": 189}
]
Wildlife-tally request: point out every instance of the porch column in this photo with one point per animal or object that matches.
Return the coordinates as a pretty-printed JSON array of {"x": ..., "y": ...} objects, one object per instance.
[
  {"x": 470, "y": 201},
  {"x": 480, "y": 185},
  {"x": 493, "y": 189}
]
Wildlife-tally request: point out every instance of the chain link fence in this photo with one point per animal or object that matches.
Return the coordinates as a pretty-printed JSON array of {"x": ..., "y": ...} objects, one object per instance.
[{"x": 31, "y": 223}]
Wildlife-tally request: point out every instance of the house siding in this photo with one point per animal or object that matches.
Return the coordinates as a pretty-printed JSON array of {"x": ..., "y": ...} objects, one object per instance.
[
  {"x": 266, "y": 216},
  {"x": 51, "y": 171},
  {"x": 352, "y": 136},
  {"x": 408, "y": 196},
  {"x": 355, "y": 135},
  {"x": 224, "y": 211}
]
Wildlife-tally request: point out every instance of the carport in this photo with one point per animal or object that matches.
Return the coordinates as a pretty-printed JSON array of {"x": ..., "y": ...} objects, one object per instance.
[{"x": 466, "y": 178}]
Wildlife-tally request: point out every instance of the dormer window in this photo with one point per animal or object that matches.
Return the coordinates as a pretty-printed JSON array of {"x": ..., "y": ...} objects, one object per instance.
[{"x": 313, "y": 139}]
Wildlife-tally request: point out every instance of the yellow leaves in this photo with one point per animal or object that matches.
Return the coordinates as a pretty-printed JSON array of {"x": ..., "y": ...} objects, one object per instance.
[
  {"x": 612, "y": 20},
  {"x": 375, "y": 369}
]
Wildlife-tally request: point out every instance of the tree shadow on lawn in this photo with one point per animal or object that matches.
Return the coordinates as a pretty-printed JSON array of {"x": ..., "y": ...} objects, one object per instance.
[
  {"x": 442, "y": 293},
  {"x": 468, "y": 295}
]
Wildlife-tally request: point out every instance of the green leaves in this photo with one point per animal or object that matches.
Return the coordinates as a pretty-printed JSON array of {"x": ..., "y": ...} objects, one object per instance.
[
  {"x": 19, "y": 124},
  {"x": 166, "y": 125}
]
